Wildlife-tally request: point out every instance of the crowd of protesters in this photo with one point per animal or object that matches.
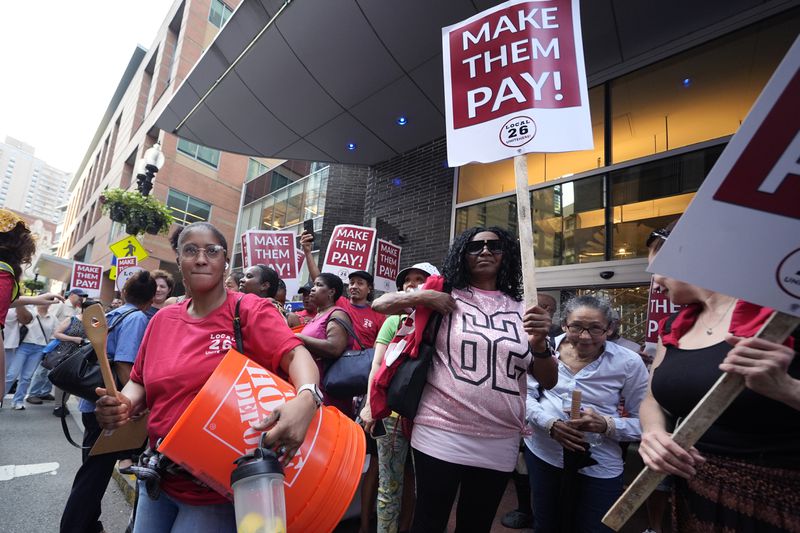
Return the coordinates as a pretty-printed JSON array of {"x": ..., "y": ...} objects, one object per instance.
[{"x": 497, "y": 405}]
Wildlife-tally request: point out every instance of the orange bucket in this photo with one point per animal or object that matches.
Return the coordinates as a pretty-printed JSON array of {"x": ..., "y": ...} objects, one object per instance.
[{"x": 321, "y": 479}]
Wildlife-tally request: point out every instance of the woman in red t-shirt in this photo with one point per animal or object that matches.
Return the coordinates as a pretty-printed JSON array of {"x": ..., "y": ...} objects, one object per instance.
[
  {"x": 181, "y": 348},
  {"x": 17, "y": 246}
]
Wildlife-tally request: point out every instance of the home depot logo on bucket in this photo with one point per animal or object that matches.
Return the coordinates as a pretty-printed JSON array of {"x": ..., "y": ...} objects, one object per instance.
[
  {"x": 256, "y": 394},
  {"x": 216, "y": 429}
]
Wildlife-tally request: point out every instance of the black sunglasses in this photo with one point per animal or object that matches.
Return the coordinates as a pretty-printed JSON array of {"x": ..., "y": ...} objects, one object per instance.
[
  {"x": 495, "y": 246},
  {"x": 657, "y": 234}
]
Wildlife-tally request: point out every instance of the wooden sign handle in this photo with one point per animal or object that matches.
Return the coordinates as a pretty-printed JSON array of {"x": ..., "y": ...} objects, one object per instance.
[
  {"x": 776, "y": 329},
  {"x": 525, "y": 229},
  {"x": 96, "y": 326},
  {"x": 575, "y": 408}
]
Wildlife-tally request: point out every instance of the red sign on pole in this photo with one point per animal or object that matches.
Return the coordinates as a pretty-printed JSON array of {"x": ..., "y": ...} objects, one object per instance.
[
  {"x": 349, "y": 250},
  {"x": 658, "y": 308},
  {"x": 275, "y": 249},
  {"x": 387, "y": 265},
  {"x": 125, "y": 262},
  {"x": 515, "y": 82},
  {"x": 87, "y": 277}
]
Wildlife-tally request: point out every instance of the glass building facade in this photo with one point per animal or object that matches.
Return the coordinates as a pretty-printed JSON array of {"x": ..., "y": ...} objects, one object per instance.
[{"x": 657, "y": 133}]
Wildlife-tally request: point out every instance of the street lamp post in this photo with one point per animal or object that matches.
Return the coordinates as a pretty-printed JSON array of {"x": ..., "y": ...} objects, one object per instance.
[{"x": 147, "y": 167}]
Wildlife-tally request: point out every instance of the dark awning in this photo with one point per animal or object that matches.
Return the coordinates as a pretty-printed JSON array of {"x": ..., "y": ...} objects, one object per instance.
[{"x": 327, "y": 73}]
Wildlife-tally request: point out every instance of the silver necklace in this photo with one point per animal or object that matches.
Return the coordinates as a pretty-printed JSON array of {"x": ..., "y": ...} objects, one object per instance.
[{"x": 710, "y": 329}]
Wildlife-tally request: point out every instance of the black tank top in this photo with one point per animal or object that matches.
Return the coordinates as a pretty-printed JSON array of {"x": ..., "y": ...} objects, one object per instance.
[{"x": 753, "y": 426}]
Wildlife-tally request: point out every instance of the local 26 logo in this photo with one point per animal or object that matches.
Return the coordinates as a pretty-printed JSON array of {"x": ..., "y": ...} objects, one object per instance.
[{"x": 518, "y": 131}]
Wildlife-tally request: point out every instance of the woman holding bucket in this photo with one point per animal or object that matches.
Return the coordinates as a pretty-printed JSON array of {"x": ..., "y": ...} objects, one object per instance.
[
  {"x": 472, "y": 410},
  {"x": 181, "y": 348}
]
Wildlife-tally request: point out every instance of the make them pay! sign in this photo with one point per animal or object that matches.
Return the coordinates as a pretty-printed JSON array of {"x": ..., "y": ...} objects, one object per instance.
[
  {"x": 349, "y": 249},
  {"x": 739, "y": 236},
  {"x": 87, "y": 277},
  {"x": 387, "y": 266},
  {"x": 515, "y": 82},
  {"x": 275, "y": 249}
]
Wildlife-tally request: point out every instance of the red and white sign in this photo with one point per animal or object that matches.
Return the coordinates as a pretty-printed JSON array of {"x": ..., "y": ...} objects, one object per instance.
[
  {"x": 87, "y": 277},
  {"x": 275, "y": 249},
  {"x": 387, "y": 266},
  {"x": 515, "y": 82},
  {"x": 739, "y": 236},
  {"x": 349, "y": 250},
  {"x": 126, "y": 269},
  {"x": 658, "y": 308}
]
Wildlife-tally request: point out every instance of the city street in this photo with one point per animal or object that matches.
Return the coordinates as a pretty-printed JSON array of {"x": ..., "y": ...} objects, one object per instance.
[{"x": 34, "y": 501}]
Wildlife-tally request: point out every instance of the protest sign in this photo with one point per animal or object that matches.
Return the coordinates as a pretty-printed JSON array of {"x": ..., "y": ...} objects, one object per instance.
[
  {"x": 275, "y": 249},
  {"x": 515, "y": 82},
  {"x": 349, "y": 250},
  {"x": 387, "y": 266},
  {"x": 658, "y": 307},
  {"x": 87, "y": 277},
  {"x": 739, "y": 235},
  {"x": 124, "y": 275}
]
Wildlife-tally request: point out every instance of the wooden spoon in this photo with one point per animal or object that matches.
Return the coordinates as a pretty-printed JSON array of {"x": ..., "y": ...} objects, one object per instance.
[{"x": 96, "y": 326}]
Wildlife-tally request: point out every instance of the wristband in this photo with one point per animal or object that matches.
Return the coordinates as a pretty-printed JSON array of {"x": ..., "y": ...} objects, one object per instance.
[
  {"x": 611, "y": 427},
  {"x": 549, "y": 426},
  {"x": 545, "y": 354}
]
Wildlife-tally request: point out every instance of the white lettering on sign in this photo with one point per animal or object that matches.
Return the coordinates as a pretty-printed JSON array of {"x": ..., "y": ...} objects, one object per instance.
[
  {"x": 788, "y": 165},
  {"x": 510, "y": 90},
  {"x": 536, "y": 18}
]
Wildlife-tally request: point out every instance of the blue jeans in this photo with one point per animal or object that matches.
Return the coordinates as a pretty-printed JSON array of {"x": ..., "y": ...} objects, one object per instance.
[
  {"x": 167, "y": 515},
  {"x": 20, "y": 365},
  {"x": 40, "y": 385},
  {"x": 594, "y": 497}
]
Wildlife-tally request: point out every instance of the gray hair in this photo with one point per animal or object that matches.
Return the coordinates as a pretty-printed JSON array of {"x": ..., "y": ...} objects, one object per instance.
[{"x": 592, "y": 302}]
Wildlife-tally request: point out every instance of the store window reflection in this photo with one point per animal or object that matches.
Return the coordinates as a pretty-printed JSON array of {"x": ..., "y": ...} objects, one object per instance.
[
  {"x": 569, "y": 223},
  {"x": 650, "y": 196},
  {"x": 699, "y": 95}
]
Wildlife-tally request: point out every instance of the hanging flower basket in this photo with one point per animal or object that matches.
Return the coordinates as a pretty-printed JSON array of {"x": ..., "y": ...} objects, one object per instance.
[{"x": 138, "y": 213}]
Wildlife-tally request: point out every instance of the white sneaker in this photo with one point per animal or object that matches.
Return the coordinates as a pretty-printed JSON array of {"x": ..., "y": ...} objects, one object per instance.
[{"x": 19, "y": 406}]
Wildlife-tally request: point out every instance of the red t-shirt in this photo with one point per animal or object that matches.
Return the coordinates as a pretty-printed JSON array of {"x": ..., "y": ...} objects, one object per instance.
[
  {"x": 366, "y": 321},
  {"x": 179, "y": 353},
  {"x": 7, "y": 282}
]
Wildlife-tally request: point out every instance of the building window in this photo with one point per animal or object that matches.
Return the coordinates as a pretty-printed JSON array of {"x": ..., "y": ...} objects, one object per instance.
[
  {"x": 208, "y": 156},
  {"x": 219, "y": 14},
  {"x": 255, "y": 169},
  {"x": 187, "y": 209}
]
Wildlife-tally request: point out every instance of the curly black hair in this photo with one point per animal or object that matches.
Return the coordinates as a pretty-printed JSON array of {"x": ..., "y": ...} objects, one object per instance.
[
  {"x": 509, "y": 277},
  {"x": 17, "y": 247}
]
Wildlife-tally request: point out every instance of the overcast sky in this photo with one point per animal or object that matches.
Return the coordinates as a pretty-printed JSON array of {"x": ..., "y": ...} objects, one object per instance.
[{"x": 60, "y": 63}]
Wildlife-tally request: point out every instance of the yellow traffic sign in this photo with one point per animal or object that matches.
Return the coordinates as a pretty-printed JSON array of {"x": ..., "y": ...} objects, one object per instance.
[{"x": 129, "y": 246}]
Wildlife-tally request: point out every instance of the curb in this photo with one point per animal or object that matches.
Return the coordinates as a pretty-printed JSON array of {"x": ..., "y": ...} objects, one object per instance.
[{"x": 126, "y": 483}]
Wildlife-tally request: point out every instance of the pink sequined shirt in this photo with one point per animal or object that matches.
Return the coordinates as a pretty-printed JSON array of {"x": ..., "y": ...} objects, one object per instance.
[{"x": 477, "y": 385}]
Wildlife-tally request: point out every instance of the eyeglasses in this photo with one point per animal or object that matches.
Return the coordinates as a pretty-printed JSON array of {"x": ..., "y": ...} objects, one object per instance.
[
  {"x": 657, "y": 234},
  {"x": 594, "y": 331},
  {"x": 495, "y": 246},
  {"x": 212, "y": 251}
]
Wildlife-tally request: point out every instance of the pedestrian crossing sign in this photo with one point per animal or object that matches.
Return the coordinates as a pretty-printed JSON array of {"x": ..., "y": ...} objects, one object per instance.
[{"x": 129, "y": 247}]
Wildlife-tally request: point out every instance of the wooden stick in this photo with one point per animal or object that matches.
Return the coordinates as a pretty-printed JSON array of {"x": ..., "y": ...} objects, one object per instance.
[
  {"x": 525, "y": 228},
  {"x": 575, "y": 408},
  {"x": 96, "y": 326},
  {"x": 776, "y": 329}
]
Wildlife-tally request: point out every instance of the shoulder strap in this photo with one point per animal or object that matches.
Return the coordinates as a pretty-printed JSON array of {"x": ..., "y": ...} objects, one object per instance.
[
  {"x": 64, "y": 426},
  {"x": 237, "y": 327},
  {"x": 349, "y": 329},
  {"x": 121, "y": 318},
  {"x": 42, "y": 328}
]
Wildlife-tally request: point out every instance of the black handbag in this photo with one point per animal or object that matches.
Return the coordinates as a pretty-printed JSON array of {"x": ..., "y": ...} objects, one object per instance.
[
  {"x": 79, "y": 372},
  {"x": 405, "y": 388},
  {"x": 348, "y": 375}
]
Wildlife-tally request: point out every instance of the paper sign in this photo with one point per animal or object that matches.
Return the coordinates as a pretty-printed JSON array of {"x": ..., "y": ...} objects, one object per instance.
[
  {"x": 658, "y": 308},
  {"x": 515, "y": 82},
  {"x": 277, "y": 250},
  {"x": 739, "y": 235},
  {"x": 125, "y": 275},
  {"x": 87, "y": 277},
  {"x": 349, "y": 250},
  {"x": 387, "y": 266},
  {"x": 129, "y": 246},
  {"x": 245, "y": 252}
]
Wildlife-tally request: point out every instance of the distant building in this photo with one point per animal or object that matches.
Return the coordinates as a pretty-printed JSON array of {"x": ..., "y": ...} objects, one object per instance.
[{"x": 28, "y": 184}]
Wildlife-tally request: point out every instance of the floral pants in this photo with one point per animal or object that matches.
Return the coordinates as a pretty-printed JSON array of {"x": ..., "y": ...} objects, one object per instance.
[{"x": 392, "y": 453}]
